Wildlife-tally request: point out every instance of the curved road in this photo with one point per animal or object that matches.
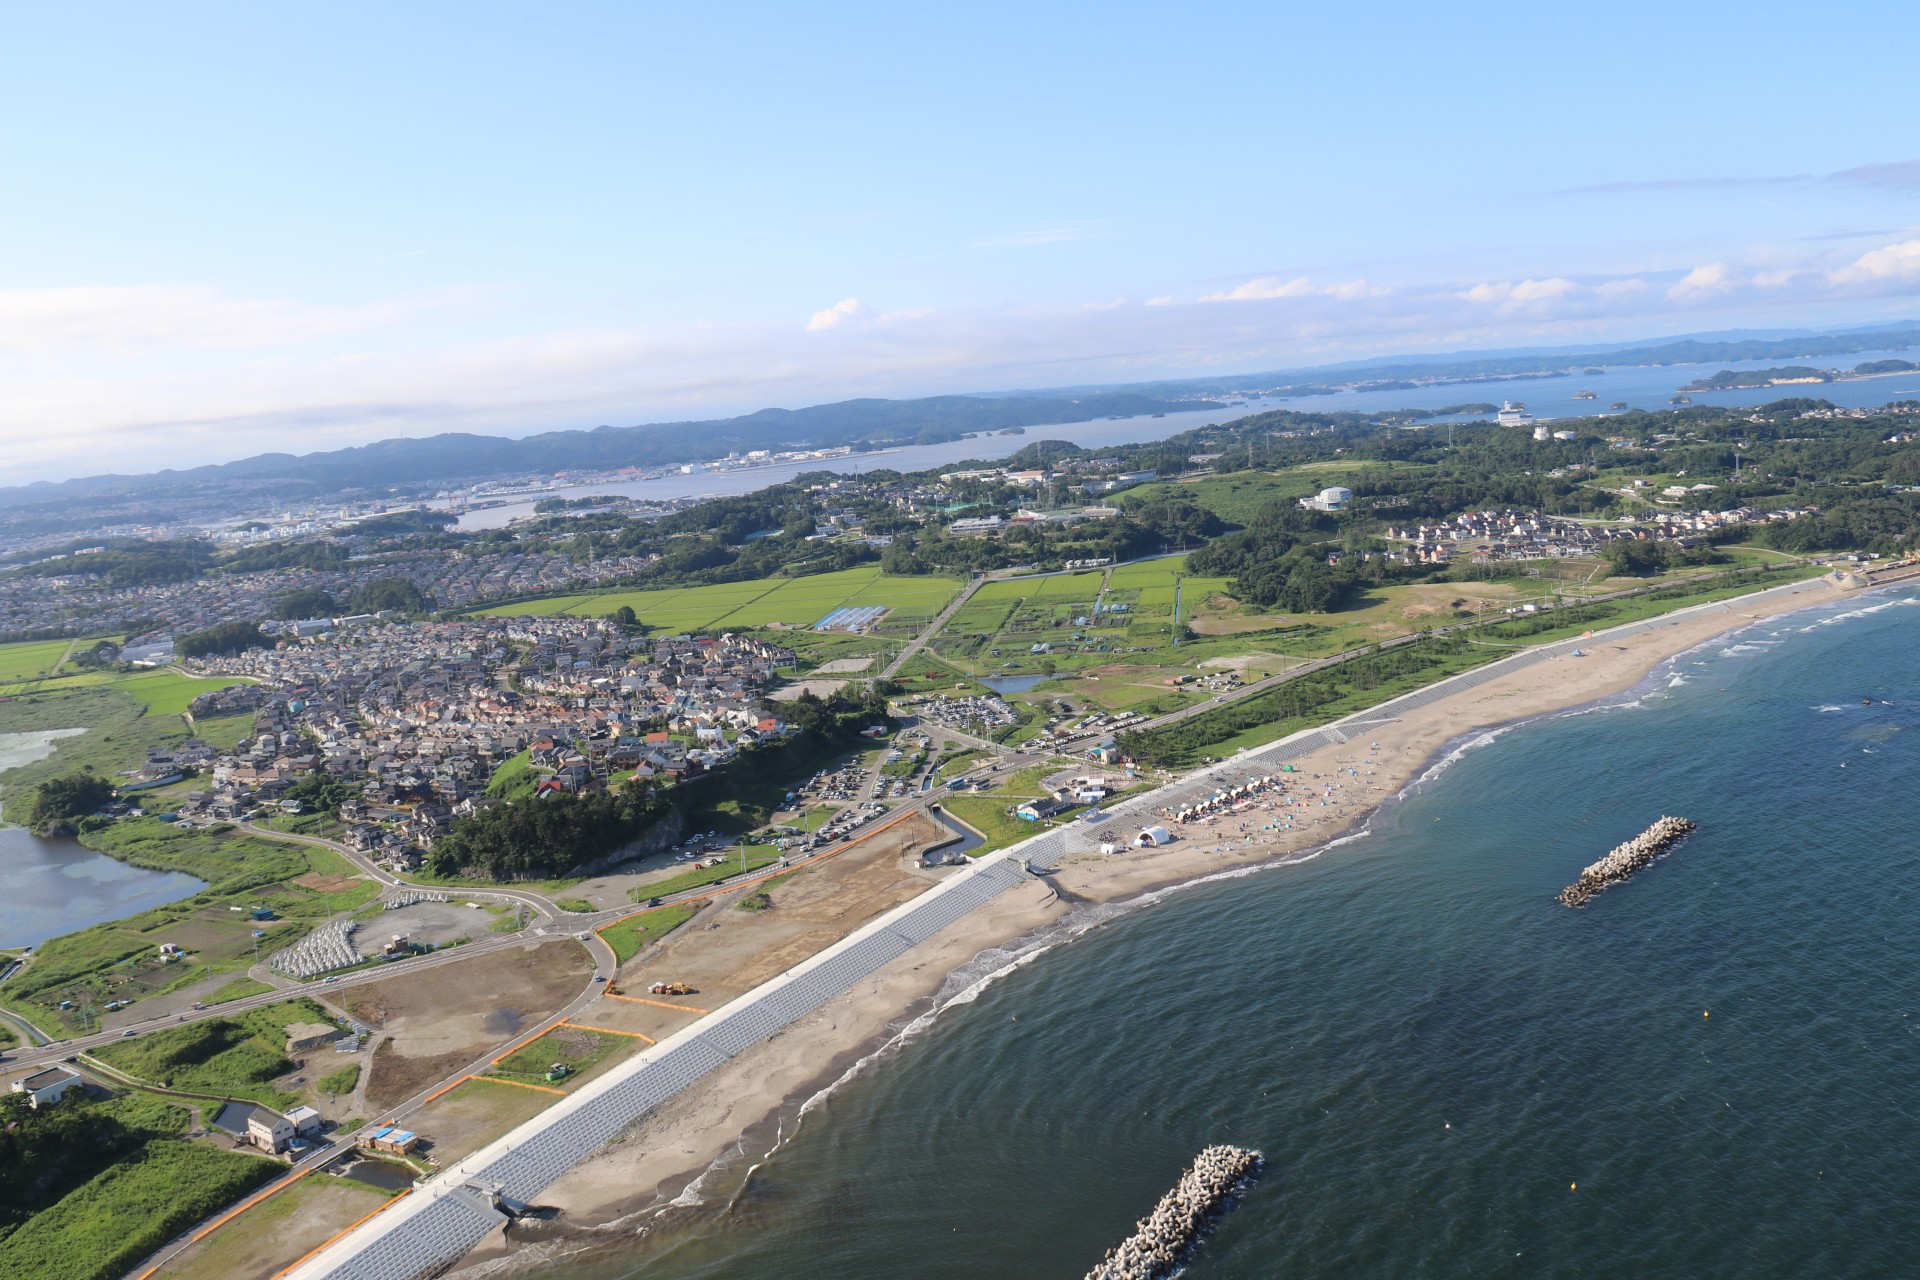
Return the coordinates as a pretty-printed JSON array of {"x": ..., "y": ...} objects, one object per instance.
[{"x": 552, "y": 923}]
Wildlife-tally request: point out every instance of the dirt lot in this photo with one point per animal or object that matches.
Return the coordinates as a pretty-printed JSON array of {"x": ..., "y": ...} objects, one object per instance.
[
  {"x": 261, "y": 1241},
  {"x": 439, "y": 1020},
  {"x": 725, "y": 951},
  {"x": 1234, "y": 625},
  {"x": 320, "y": 882},
  {"x": 433, "y": 922},
  {"x": 818, "y": 688},
  {"x": 473, "y": 1115}
]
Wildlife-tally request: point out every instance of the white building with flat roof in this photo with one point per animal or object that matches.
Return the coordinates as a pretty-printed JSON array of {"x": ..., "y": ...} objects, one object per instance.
[{"x": 46, "y": 1088}]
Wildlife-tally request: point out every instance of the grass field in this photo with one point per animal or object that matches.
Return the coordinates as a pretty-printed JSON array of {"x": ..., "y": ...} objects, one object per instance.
[
  {"x": 31, "y": 658},
  {"x": 236, "y": 1057},
  {"x": 1238, "y": 496},
  {"x": 794, "y": 602},
  {"x": 631, "y": 936},
  {"x": 163, "y": 692},
  {"x": 576, "y": 1047}
]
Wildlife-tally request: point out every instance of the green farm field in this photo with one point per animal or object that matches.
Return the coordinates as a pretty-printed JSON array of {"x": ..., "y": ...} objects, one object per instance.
[
  {"x": 31, "y": 658},
  {"x": 795, "y": 602}
]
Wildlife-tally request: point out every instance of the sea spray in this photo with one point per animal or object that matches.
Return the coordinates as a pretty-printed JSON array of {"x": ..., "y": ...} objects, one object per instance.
[{"x": 1164, "y": 1239}]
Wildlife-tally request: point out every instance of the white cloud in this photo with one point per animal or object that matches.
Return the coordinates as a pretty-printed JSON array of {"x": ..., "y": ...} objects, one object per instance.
[
  {"x": 1164, "y": 300},
  {"x": 1265, "y": 289},
  {"x": 1355, "y": 289},
  {"x": 120, "y": 318},
  {"x": 836, "y": 315},
  {"x": 1626, "y": 287},
  {"x": 1899, "y": 261},
  {"x": 1713, "y": 277},
  {"x": 1505, "y": 291}
]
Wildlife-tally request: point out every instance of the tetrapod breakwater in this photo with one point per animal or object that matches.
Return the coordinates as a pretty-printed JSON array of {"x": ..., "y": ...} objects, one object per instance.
[
  {"x": 1164, "y": 1239},
  {"x": 1624, "y": 860}
]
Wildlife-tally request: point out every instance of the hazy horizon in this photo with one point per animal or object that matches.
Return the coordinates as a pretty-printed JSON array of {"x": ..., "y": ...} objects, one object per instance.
[{"x": 228, "y": 235}]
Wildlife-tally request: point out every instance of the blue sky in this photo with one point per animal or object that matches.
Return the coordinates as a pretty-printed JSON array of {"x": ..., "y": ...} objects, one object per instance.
[{"x": 229, "y": 228}]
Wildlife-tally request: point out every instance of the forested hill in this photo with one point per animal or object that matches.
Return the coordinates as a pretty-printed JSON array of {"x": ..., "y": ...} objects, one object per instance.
[{"x": 459, "y": 456}]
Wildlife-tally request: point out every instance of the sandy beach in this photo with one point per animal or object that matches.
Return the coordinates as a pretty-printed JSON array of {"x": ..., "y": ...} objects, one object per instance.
[{"x": 699, "y": 1150}]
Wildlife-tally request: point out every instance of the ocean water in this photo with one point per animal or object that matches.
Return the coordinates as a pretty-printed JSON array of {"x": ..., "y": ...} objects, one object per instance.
[{"x": 1712, "y": 1071}]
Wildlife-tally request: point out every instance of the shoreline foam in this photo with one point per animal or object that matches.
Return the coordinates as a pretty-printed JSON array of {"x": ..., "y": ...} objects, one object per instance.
[{"x": 668, "y": 1159}]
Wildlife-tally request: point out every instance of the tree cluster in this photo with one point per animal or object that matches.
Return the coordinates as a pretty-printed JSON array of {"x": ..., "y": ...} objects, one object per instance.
[
  {"x": 381, "y": 594},
  {"x": 542, "y": 837},
  {"x": 61, "y": 800},
  {"x": 225, "y": 640}
]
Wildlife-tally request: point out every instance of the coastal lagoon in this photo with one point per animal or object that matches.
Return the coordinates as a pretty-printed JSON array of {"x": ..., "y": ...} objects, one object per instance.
[
  {"x": 1708, "y": 1071},
  {"x": 50, "y": 887}
]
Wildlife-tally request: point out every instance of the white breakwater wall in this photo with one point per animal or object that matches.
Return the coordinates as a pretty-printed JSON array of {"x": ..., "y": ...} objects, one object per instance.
[
  {"x": 1164, "y": 1239},
  {"x": 1625, "y": 859}
]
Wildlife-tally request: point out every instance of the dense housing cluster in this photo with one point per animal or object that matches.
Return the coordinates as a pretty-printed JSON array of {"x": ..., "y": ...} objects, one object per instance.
[{"x": 417, "y": 719}]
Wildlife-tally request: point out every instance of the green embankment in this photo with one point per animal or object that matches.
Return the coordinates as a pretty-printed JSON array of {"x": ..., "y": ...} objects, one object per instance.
[
  {"x": 515, "y": 778},
  {"x": 574, "y": 1047},
  {"x": 340, "y": 1083},
  {"x": 117, "y": 1185},
  {"x": 235, "y": 1057},
  {"x": 630, "y": 936}
]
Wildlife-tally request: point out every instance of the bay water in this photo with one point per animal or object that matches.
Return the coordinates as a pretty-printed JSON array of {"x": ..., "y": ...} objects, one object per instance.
[
  {"x": 1647, "y": 387},
  {"x": 1713, "y": 1070}
]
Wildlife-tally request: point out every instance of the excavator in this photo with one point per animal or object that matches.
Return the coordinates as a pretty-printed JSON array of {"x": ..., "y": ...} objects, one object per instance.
[{"x": 672, "y": 989}]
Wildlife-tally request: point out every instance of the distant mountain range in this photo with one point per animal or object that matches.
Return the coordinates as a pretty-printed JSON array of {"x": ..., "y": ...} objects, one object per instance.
[{"x": 459, "y": 457}]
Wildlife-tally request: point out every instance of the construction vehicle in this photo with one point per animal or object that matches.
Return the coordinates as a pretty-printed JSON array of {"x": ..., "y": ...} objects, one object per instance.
[
  {"x": 672, "y": 989},
  {"x": 558, "y": 1071}
]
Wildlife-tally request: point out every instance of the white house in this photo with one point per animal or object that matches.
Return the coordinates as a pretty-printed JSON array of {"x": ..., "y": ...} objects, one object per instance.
[
  {"x": 45, "y": 1088},
  {"x": 269, "y": 1131}
]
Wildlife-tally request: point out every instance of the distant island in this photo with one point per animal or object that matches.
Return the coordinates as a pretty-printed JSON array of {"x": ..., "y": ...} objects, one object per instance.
[{"x": 1794, "y": 375}]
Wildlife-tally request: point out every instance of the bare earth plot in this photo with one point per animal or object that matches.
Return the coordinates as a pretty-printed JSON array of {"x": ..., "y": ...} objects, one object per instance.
[
  {"x": 725, "y": 951},
  {"x": 439, "y": 1020},
  {"x": 259, "y": 1242}
]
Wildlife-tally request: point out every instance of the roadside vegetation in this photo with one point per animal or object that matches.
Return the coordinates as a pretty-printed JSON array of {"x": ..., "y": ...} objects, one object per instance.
[
  {"x": 231, "y": 1057},
  {"x": 631, "y": 936}
]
